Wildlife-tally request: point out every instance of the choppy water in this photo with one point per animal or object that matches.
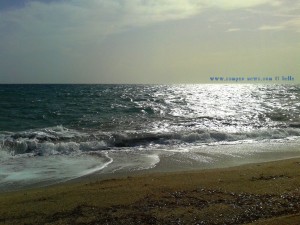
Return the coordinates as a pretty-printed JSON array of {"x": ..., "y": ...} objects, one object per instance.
[{"x": 51, "y": 133}]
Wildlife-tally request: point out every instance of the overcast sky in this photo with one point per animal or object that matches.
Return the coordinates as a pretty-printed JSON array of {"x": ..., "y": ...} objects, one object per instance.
[{"x": 147, "y": 41}]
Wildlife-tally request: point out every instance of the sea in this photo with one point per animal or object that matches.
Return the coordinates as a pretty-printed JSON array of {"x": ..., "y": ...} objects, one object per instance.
[{"x": 52, "y": 133}]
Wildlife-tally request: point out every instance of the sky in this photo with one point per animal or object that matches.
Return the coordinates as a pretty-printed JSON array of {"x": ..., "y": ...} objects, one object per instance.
[{"x": 147, "y": 41}]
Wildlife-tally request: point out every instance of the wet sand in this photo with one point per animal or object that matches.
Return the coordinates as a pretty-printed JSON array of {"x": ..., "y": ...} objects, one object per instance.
[{"x": 260, "y": 193}]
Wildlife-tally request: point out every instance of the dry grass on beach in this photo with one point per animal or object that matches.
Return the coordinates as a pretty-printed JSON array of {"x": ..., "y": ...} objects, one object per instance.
[{"x": 264, "y": 193}]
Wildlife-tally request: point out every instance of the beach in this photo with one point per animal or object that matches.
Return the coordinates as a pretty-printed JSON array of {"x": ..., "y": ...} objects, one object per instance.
[{"x": 258, "y": 193}]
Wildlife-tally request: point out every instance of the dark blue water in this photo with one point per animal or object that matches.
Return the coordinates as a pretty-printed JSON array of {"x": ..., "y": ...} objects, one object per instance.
[
  {"x": 26, "y": 107},
  {"x": 72, "y": 123}
]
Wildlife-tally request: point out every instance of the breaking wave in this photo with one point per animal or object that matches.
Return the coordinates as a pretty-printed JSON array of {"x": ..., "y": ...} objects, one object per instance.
[{"x": 61, "y": 140}]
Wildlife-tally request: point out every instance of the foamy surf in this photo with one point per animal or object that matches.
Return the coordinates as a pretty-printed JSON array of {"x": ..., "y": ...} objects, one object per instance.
[
  {"x": 30, "y": 170},
  {"x": 23, "y": 172}
]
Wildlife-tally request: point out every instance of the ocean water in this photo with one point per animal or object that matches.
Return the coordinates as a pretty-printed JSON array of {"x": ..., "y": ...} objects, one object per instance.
[{"x": 54, "y": 133}]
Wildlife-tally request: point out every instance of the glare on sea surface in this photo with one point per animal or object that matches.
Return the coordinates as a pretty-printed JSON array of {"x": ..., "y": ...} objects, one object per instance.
[{"x": 207, "y": 105}]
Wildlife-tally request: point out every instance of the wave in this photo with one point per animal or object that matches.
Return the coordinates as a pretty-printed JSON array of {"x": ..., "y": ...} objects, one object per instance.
[{"x": 61, "y": 140}]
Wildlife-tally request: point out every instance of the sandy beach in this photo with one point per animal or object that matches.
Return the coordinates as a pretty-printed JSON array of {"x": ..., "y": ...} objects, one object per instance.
[{"x": 260, "y": 193}]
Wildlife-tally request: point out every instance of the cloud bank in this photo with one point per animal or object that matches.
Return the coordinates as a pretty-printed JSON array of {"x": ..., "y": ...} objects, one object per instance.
[
  {"x": 92, "y": 18},
  {"x": 53, "y": 35}
]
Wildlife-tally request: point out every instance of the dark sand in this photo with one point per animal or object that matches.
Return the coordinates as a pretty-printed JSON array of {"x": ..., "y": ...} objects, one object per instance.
[{"x": 261, "y": 193}]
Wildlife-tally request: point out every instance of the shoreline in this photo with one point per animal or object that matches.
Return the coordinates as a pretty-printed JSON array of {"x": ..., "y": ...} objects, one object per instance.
[
  {"x": 179, "y": 163},
  {"x": 212, "y": 157},
  {"x": 254, "y": 193},
  {"x": 40, "y": 172}
]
